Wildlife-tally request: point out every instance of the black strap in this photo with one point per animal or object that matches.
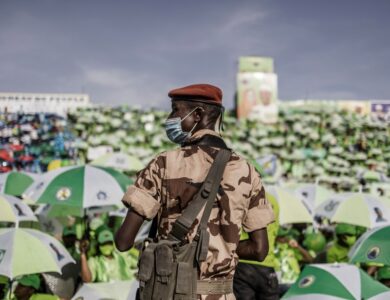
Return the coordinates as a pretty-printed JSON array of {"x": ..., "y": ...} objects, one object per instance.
[
  {"x": 206, "y": 195},
  {"x": 208, "y": 140},
  {"x": 153, "y": 228}
]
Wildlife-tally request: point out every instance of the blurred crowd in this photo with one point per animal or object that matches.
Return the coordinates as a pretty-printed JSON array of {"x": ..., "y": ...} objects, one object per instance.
[
  {"x": 341, "y": 149},
  {"x": 29, "y": 142},
  {"x": 338, "y": 149}
]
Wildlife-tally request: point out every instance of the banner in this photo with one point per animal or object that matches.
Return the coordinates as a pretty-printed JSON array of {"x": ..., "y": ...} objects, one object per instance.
[
  {"x": 255, "y": 64},
  {"x": 380, "y": 109},
  {"x": 257, "y": 96},
  {"x": 361, "y": 107}
]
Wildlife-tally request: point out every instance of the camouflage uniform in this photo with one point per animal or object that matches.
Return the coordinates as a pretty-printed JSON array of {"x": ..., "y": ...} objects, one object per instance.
[{"x": 171, "y": 180}]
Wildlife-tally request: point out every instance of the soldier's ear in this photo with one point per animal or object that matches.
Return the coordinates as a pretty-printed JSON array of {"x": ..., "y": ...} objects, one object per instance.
[{"x": 198, "y": 114}]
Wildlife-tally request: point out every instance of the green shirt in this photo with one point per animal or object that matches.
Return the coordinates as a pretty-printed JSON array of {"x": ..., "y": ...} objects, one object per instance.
[
  {"x": 104, "y": 269},
  {"x": 44, "y": 297},
  {"x": 272, "y": 231},
  {"x": 337, "y": 253}
]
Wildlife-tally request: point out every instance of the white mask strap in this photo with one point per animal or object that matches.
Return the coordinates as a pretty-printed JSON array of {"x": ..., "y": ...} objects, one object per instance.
[{"x": 191, "y": 112}]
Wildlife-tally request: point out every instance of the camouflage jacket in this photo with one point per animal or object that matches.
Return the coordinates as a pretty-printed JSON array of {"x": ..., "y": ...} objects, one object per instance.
[{"x": 169, "y": 182}]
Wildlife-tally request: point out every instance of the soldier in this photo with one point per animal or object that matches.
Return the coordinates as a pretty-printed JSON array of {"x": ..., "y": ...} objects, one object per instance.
[{"x": 170, "y": 181}]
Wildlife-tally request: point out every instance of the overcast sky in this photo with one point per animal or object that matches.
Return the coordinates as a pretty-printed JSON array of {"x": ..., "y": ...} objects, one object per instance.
[{"x": 134, "y": 52}]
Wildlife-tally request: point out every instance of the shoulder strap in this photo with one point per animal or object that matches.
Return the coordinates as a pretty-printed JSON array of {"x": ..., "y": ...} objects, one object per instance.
[
  {"x": 206, "y": 194},
  {"x": 208, "y": 140},
  {"x": 153, "y": 228}
]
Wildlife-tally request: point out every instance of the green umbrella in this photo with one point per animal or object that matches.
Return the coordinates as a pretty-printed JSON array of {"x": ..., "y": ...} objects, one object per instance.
[
  {"x": 15, "y": 183},
  {"x": 120, "y": 161},
  {"x": 334, "y": 281},
  {"x": 29, "y": 251},
  {"x": 79, "y": 187},
  {"x": 13, "y": 210},
  {"x": 372, "y": 247}
]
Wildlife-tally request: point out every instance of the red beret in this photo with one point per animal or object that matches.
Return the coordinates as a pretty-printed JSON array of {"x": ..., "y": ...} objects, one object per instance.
[{"x": 206, "y": 93}]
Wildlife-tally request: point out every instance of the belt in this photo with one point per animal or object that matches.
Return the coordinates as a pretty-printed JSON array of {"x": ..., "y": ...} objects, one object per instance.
[{"x": 214, "y": 287}]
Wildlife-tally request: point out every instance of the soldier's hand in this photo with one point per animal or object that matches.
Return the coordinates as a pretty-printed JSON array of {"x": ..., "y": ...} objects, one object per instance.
[{"x": 84, "y": 246}]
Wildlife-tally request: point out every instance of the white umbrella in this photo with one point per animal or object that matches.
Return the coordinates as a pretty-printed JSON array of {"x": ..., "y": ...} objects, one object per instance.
[
  {"x": 117, "y": 290},
  {"x": 13, "y": 210},
  {"x": 357, "y": 209},
  {"x": 291, "y": 208},
  {"x": 120, "y": 161},
  {"x": 312, "y": 195},
  {"x": 382, "y": 296},
  {"x": 29, "y": 251}
]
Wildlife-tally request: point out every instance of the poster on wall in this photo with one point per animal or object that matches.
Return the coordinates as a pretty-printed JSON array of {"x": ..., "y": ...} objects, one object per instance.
[
  {"x": 380, "y": 109},
  {"x": 257, "y": 96},
  {"x": 360, "y": 107},
  {"x": 255, "y": 64}
]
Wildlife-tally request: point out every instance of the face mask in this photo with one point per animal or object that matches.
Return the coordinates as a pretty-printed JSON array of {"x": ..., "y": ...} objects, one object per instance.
[
  {"x": 174, "y": 130},
  {"x": 350, "y": 240},
  {"x": 106, "y": 250}
]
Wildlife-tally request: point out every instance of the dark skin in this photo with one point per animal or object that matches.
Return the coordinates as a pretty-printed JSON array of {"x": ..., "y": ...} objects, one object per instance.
[
  {"x": 307, "y": 258},
  {"x": 255, "y": 248},
  {"x": 86, "y": 274},
  {"x": 23, "y": 292}
]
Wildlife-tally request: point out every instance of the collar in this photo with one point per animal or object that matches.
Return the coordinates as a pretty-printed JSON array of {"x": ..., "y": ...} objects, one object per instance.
[{"x": 200, "y": 133}]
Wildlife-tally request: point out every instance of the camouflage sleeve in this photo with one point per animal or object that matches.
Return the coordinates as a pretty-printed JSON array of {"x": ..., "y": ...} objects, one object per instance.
[
  {"x": 259, "y": 211},
  {"x": 145, "y": 195}
]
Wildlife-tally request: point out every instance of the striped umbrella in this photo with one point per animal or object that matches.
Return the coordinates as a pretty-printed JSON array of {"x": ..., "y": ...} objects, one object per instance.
[
  {"x": 15, "y": 183},
  {"x": 372, "y": 247},
  {"x": 72, "y": 190},
  {"x": 334, "y": 281}
]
